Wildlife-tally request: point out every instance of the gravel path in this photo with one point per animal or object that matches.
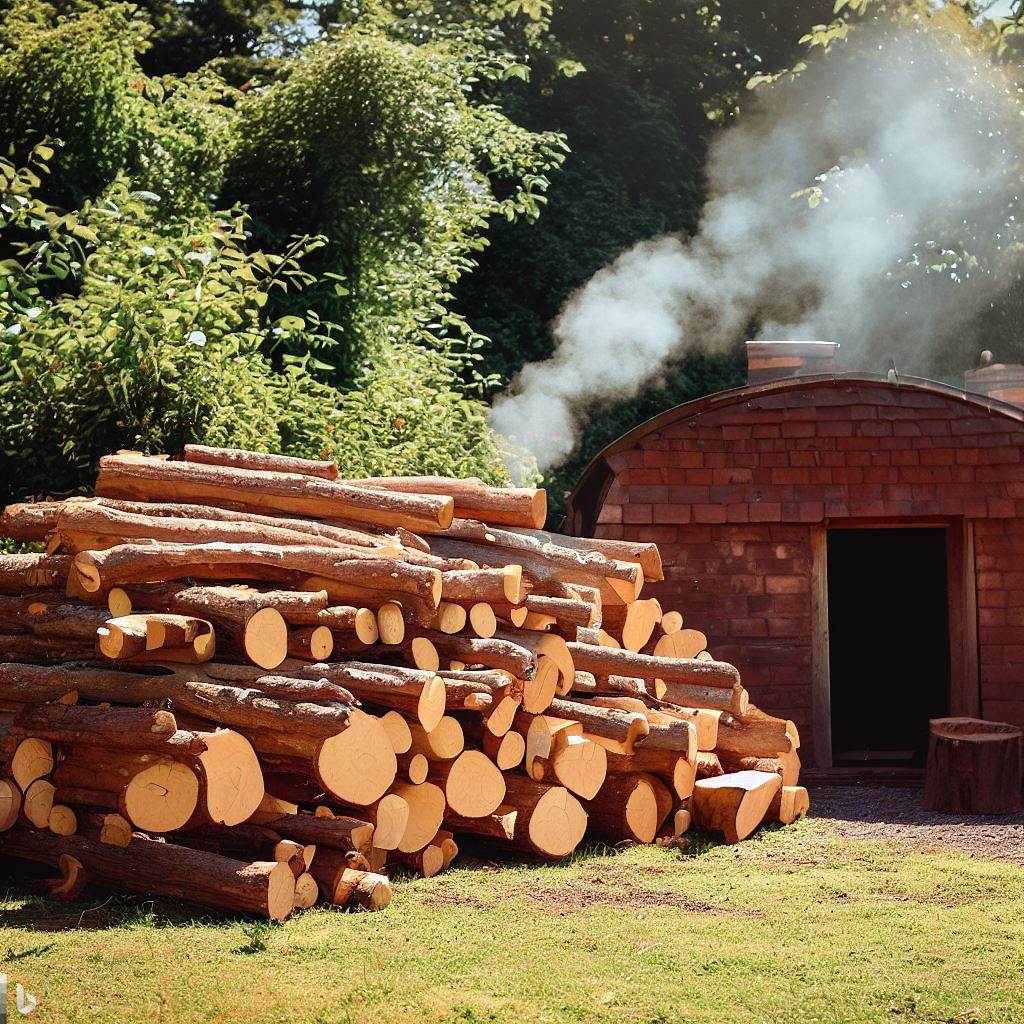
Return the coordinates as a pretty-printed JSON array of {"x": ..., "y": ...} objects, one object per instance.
[{"x": 894, "y": 815}]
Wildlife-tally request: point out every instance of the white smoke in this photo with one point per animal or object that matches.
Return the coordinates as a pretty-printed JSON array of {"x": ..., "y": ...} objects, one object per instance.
[{"x": 838, "y": 206}]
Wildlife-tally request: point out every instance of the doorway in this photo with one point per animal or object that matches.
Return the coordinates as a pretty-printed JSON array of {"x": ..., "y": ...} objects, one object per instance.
[{"x": 889, "y": 643}]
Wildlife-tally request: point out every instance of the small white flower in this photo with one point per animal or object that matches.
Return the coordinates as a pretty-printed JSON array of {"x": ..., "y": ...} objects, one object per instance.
[
  {"x": 197, "y": 338},
  {"x": 202, "y": 257},
  {"x": 148, "y": 250},
  {"x": 33, "y": 312},
  {"x": 14, "y": 329}
]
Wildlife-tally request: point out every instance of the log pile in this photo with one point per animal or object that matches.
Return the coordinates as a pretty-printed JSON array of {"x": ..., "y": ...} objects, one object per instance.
[{"x": 235, "y": 679}]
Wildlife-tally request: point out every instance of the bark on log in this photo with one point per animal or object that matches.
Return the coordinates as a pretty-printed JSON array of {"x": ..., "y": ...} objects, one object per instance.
[
  {"x": 974, "y": 767},
  {"x": 550, "y": 822},
  {"x": 733, "y": 804},
  {"x": 146, "y": 479},
  {"x": 28, "y": 572},
  {"x": 241, "y": 459},
  {"x": 163, "y": 869},
  {"x": 629, "y": 808}
]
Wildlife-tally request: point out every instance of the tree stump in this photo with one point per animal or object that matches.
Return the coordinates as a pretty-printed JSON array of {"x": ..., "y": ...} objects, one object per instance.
[{"x": 974, "y": 767}]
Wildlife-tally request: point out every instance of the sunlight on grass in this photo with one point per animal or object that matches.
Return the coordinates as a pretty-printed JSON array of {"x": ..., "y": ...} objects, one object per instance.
[{"x": 792, "y": 926}]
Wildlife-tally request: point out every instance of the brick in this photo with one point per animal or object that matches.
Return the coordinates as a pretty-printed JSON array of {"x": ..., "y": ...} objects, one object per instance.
[
  {"x": 786, "y": 584},
  {"x": 637, "y": 513},
  {"x": 610, "y": 514},
  {"x": 709, "y": 514}
]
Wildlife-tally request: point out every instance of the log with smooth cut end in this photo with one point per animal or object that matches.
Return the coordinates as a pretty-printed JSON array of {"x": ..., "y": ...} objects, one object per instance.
[
  {"x": 357, "y": 765},
  {"x": 545, "y": 645},
  {"x": 232, "y": 777},
  {"x": 140, "y": 478},
  {"x": 443, "y": 743},
  {"x": 62, "y": 820},
  {"x": 511, "y": 506},
  {"x": 264, "y": 889},
  {"x": 114, "y": 829},
  {"x": 37, "y": 802},
  {"x": 337, "y": 832},
  {"x": 645, "y": 553},
  {"x": 733, "y": 804},
  {"x": 390, "y": 817},
  {"x": 974, "y": 767},
  {"x": 675, "y": 770},
  {"x": 471, "y": 586},
  {"x": 473, "y": 784},
  {"x": 627, "y": 808},
  {"x": 162, "y": 798},
  {"x": 10, "y": 804},
  {"x": 426, "y": 813},
  {"x": 543, "y": 735},
  {"x": 550, "y": 822},
  {"x": 606, "y": 661},
  {"x": 450, "y": 618},
  {"x": 307, "y": 892},
  {"x": 398, "y": 732},
  {"x": 241, "y": 459},
  {"x": 539, "y": 692},
  {"x": 788, "y": 804},
  {"x": 671, "y": 622},
  {"x": 633, "y": 624},
  {"x": 580, "y": 765},
  {"x": 615, "y": 730},
  {"x": 483, "y": 620},
  {"x": 391, "y": 623},
  {"x": 414, "y": 691},
  {"x": 32, "y": 759},
  {"x": 685, "y": 644},
  {"x": 506, "y": 751},
  {"x": 415, "y": 767},
  {"x": 506, "y": 655},
  {"x": 310, "y": 643},
  {"x": 500, "y": 825},
  {"x": 426, "y": 862}
]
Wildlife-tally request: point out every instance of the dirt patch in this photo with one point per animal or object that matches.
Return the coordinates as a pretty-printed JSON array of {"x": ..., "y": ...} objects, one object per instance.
[
  {"x": 894, "y": 815},
  {"x": 576, "y": 896}
]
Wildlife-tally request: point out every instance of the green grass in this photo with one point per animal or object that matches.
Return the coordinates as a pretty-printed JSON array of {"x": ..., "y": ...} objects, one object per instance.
[{"x": 793, "y": 926}]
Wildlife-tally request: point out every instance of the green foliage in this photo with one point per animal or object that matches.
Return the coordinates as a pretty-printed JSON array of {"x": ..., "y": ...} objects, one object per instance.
[{"x": 118, "y": 331}]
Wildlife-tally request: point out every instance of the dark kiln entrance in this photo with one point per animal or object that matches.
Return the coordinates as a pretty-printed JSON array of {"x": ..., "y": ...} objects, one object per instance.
[{"x": 889, "y": 650}]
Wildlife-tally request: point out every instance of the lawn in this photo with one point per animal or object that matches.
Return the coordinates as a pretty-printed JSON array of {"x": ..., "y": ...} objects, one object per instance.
[{"x": 794, "y": 925}]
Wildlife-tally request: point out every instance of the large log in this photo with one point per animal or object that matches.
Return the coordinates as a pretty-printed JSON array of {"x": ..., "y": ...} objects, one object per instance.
[
  {"x": 974, "y": 767},
  {"x": 265, "y": 889},
  {"x": 629, "y": 808},
  {"x": 159, "y": 561},
  {"x": 27, "y": 572},
  {"x": 549, "y": 823},
  {"x": 139, "y": 477},
  {"x": 511, "y": 506},
  {"x": 733, "y": 804},
  {"x": 643, "y": 552}
]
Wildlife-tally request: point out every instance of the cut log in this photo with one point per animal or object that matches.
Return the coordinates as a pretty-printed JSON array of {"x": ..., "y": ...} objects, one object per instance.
[
  {"x": 307, "y": 892},
  {"x": 684, "y": 644},
  {"x": 974, "y": 767},
  {"x": 72, "y": 879},
  {"x": 511, "y": 506},
  {"x": 473, "y": 784},
  {"x": 606, "y": 661},
  {"x": 413, "y": 691},
  {"x": 163, "y": 869},
  {"x": 310, "y": 643},
  {"x": 415, "y": 768},
  {"x": 37, "y": 803},
  {"x": 616, "y": 730},
  {"x": 708, "y": 765},
  {"x": 580, "y": 765},
  {"x": 141, "y": 478},
  {"x": 627, "y": 808},
  {"x": 676, "y": 771},
  {"x": 391, "y": 623},
  {"x": 10, "y": 804},
  {"x": 482, "y": 620},
  {"x": 550, "y": 822},
  {"x": 500, "y": 825},
  {"x": 33, "y": 759},
  {"x": 645, "y": 553},
  {"x": 760, "y": 736},
  {"x": 241, "y": 459},
  {"x": 158, "y": 561},
  {"x": 426, "y": 862},
  {"x": 450, "y": 618},
  {"x": 19, "y": 573},
  {"x": 789, "y": 804},
  {"x": 335, "y": 833},
  {"x": 398, "y": 732},
  {"x": 494, "y": 586},
  {"x": 785, "y": 765},
  {"x": 733, "y": 804},
  {"x": 506, "y": 655},
  {"x": 426, "y": 814},
  {"x": 62, "y": 820},
  {"x": 443, "y": 743},
  {"x": 506, "y": 751}
]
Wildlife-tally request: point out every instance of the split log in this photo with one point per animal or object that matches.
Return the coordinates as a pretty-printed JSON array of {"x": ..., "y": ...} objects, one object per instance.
[
  {"x": 974, "y": 767},
  {"x": 733, "y": 804},
  {"x": 141, "y": 478},
  {"x": 511, "y": 506},
  {"x": 163, "y": 869},
  {"x": 240, "y": 459}
]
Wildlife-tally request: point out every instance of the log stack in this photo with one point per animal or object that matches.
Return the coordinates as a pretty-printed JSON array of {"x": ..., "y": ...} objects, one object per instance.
[{"x": 236, "y": 679}]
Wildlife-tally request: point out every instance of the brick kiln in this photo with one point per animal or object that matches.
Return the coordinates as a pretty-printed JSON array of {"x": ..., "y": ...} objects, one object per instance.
[{"x": 854, "y": 541}]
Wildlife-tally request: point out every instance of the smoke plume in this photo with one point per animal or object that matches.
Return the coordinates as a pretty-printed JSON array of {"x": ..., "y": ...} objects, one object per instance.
[{"x": 872, "y": 201}]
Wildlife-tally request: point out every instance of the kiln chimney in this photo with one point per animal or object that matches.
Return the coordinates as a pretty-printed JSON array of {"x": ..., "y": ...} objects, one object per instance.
[
  {"x": 774, "y": 360},
  {"x": 1004, "y": 381}
]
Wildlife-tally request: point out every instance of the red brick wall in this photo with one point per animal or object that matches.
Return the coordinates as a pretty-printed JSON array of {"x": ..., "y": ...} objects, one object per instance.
[{"x": 729, "y": 493}]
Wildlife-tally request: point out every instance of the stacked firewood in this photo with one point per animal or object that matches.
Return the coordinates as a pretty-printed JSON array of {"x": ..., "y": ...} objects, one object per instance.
[{"x": 235, "y": 679}]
